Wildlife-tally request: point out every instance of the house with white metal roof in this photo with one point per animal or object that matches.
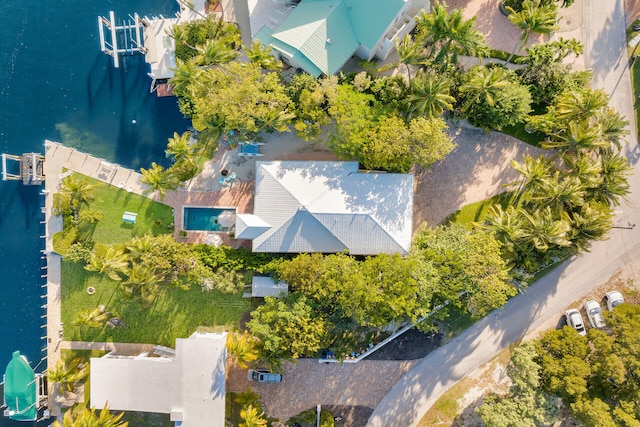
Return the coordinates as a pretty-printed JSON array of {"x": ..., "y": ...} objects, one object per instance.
[
  {"x": 328, "y": 207},
  {"x": 320, "y": 36},
  {"x": 188, "y": 384}
]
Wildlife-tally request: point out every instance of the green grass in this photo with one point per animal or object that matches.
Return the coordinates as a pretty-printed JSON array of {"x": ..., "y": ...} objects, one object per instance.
[
  {"x": 476, "y": 212},
  {"x": 113, "y": 202},
  {"x": 176, "y": 312}
]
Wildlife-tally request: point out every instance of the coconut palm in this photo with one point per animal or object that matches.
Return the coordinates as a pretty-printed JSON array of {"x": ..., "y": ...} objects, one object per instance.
[
  {"x": 580, "y": 136},
  {"x": 613, "y": 125},
  {"x": 94, "y": 318},
  {"x": 141, "y": 284},
  {"x": 215, "y": 52},
  {"x": 483, "y": 87},
  {"x": 67, "y": 374},
  {"x": 159, "y": 179},
  {"x": 252, "y": 417},
  {"x": 615, "y": 170},
  {"x": 243, "y": 348},
  {"x": 447, "y": 35},
  {"x": 72, "y": 195},
  {"x": 274, "y": 120},
  {"x": 506, "y": 225},
  {"x": 261, "y": 55},
  {"x": 86, "y": 417},
  {"x": 112, "y": 262},
  {"x": 180, "y": 148},
  {"x": 429, "y": 96},
  {"x": 533, "y": 18},
  {"x": 410, "y": 53},
  {"x": 185, "y": 73},
  {"x": 542, "y": 230}
]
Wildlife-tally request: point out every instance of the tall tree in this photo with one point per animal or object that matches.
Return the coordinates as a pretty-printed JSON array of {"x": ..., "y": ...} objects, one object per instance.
[
  {"x": 429, "y": 96},
  {"x": 243, "y": 348},
  {"x": 112, "y": 262},
  {"x": 533, "y": 18},
  {"x": 261, "y": 55},
  {"x": 159, "y": 179},
  {"x": 492, "y": 98},
  {"x": 447, "y": 35},
  {"x": 410, "y": 53},
  {"x": 85, "y": 417},
  {"x": 180, "y": 147}
]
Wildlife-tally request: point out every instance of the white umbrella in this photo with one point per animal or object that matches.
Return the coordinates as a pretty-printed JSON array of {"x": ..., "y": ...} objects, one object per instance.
[
  {"x": 227, "y": 219},
  {"x": 213, "y": 239}
]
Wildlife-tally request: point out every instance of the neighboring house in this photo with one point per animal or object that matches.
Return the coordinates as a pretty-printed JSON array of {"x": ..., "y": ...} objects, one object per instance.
[
  {"x": 320, "y": 36},
  {"x": 188, "y": 384},
  {"x": 328, "y": 207}
]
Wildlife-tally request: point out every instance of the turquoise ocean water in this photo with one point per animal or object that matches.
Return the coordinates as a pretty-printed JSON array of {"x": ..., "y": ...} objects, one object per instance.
[{"x": 56, "y": 84}]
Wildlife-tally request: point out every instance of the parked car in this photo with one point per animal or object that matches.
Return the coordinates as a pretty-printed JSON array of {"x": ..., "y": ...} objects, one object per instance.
[
  {"x": 594, "y": 313},
  {"x": 614, "y": 298},
  {"x": 263, "y": 376},
  {"x": 574, "y": 320}
]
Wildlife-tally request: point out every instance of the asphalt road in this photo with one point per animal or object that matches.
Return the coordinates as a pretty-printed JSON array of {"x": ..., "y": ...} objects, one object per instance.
[{"x": 603, "y": 33}]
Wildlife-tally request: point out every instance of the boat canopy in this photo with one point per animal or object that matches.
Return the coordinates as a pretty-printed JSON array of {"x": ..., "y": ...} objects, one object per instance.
[{"x": 20, "y": 391}]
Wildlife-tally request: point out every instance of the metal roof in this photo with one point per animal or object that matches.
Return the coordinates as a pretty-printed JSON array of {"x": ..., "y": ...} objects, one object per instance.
[
  {"x": 332, "y": 207},
  {"x": 190, "y": 386}
]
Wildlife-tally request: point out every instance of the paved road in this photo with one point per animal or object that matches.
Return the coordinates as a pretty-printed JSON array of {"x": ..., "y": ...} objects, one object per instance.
[{"x": 603, "y": 33}]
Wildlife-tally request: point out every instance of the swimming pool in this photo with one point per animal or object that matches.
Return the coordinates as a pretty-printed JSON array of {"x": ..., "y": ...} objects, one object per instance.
[{"x": 206, "y": 219}]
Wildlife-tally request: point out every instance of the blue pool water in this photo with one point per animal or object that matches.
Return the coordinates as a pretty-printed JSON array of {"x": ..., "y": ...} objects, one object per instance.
[
  {"x": 56, "y": 84},
  {"x": 204, "y": 219}
]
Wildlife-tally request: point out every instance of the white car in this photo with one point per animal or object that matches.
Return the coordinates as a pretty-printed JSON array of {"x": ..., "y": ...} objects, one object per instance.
[
  {"x": 574, "y": 320},
  {"x": 614, "y": 298},
  {"x": 594, "y": 313}
]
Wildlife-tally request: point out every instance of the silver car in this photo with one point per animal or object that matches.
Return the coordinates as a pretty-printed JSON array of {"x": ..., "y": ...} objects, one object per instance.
[
  {"x": 594, "y": 313},
  {"x": 574, "y": 320}
]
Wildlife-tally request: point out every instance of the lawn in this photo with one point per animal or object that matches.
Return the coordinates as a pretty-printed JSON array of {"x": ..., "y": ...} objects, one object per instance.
[
  {"x": 476, "y": 212},
  {"x": 176, "y": 312},
  {"x": 635, "y": 72},
  {"x": 113, "y": 202}
]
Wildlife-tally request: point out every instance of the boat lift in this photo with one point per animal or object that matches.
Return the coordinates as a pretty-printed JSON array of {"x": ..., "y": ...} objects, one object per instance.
[
  {"x": 129, "y": 34},
  {"x": 31, "y": 168}
]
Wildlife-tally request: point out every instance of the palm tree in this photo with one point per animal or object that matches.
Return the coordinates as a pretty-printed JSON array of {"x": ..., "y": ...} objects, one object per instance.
[
  {"x": 243, "y": 348},
  {"x": 262, "y": 56},
  {"x": 613, "y": 125},
  {"x": 86, "y": 417},
  {"x": 252, "y": 417},
  {"x": 159, "y": 179},
  {"x": 215, "y": 52},
  {"x": 94, "y": 318},
  {"x": 184, "y": 74},
  {"x": 180, "y": 148},
  {"x": 580, "y": 104},
  {"x": 67, "y": 374},
  {"x": 542, "y": 230},
  {"x": 578, "y": 137},
  {"x": 142, "y": 284},
  {"x": 447, "y": 35},
  {"x": 113, "y": 262},
  {"x": 615, "y": 170},
  {"x": 506, "y": 225},
  {"x": 561, "y": 192},
  {"x": 534, "y": 174},
  {"x": 582, "y": 166},
  {"x": 410, "y": 53},
  {"x": 533, "y": 18},
  {"x": 483, "y": 86},
  {"x": 274, "y": 120},
  {"x": 429, "y": 96},
  {"x": 73, "y": 194},
  {"x": 591, "y": 222}
]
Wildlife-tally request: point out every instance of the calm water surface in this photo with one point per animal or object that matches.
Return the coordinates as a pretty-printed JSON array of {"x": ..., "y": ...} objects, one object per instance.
[{"x": 56, "y": 84}]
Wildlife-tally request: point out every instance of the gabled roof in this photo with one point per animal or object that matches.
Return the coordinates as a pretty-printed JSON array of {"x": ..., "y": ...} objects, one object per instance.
[
  {"x": 331, "y": 207},
  {"x": 326, "y": 33}
]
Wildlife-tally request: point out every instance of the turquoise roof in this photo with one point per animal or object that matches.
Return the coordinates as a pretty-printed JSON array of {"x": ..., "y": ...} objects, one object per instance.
[{"x": 321, "y": 35}]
